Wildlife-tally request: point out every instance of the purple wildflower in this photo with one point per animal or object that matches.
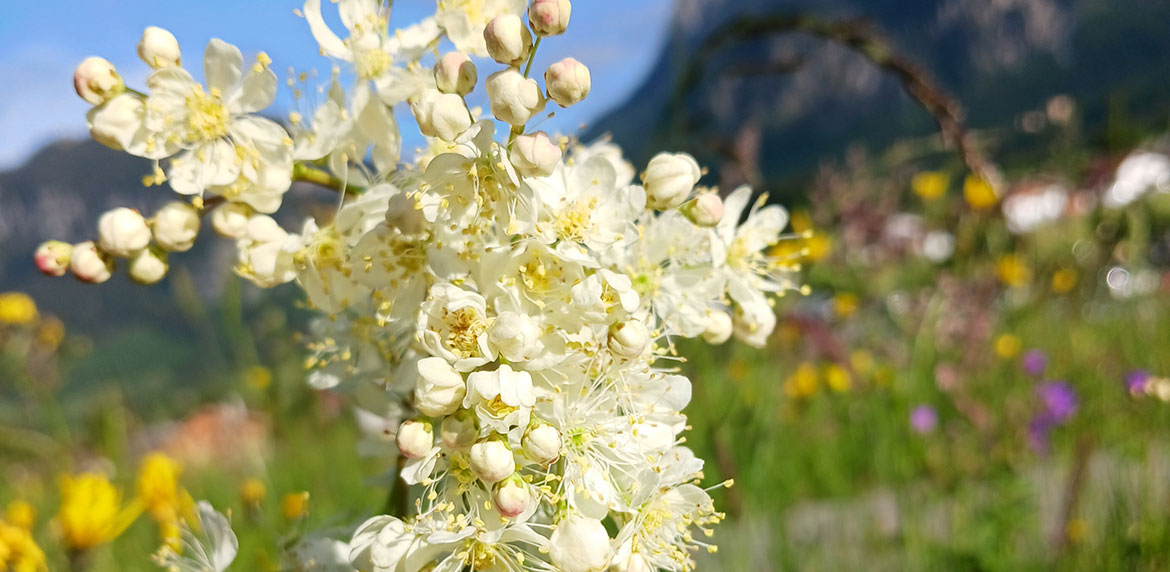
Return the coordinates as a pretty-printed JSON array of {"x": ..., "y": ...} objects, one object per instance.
[
  {"x": 1034, "y": 362},
  {"x": 1135, "y": 381},
  {"x": 923, "y": 419},
  {"x": 1059, "y": 399}
]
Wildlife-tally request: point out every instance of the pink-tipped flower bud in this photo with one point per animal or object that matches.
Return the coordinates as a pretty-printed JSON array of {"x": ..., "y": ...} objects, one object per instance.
[
  {"x": 90, "y": 264},
  {"x": 149, "y": 266},
  {"x": 567, "y": 81},
  {"x": 491, "y": 461},
  {"x": 549, "y": 17},
  {"x": 53, "y": 257},
  {"x": 512, "y": 496},
  {"x": 415, "y": 438},
  {"x": 96, "y": 80},
  {"x": 122, "y": 232},
  {"x": 534, "y": 155},
  {"x": 158, "y": 48},
  {"x": 508, "y": 39},
  {"x": 514, "y": 98},
  {"x": 704, "y": 210},
  {"x": 454, "y": 73},
  {"x": 669, "y": 179},
  {"x": 176, "y": 225}
]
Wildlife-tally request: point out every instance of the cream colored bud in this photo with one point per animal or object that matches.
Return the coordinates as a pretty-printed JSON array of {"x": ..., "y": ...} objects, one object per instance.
[
  {"x": 158, "y": 48},
  {"x": 508, "y": 39},
  {"x": 231, "y": 220},
  {"x": 491, "y": 461},
  {"x": 454, "y": 73},
  {"x": 629, "y": 339},
  {"x": 415, "y": 438},
  {"x": 534, "y": 155},
  {"x": 549, "y": 17},
  {"x": 704, "y": 210},
  {"x": 149, "y": 266},
  {"x": 96, "y": 80},
  {"x": 632, "y": 563},
  {"x": 719, "y": 328},
  {"x": 117, "y": 124},
  {"x": 580, "y": 544},
  {"x": 442, "y": 115},
  {"x": 512, "y": 496},
  {"x": 90, "y": 264},
  {"x": 440, "y": 388},
  {"x": 123, "y": 232},
  {"x": 53, "y": 257},
  {"x": 514, "y": 98},
  {"x": 459, "y": 431},
  {"x": 542, "y": 444},
  {"x": 567, "y": 82},
  {"x": 669, "y": 179},
  {"x": 175, "y": 226}
]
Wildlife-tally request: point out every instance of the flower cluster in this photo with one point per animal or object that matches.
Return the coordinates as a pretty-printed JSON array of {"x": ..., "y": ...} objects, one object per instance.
[{"x": 502, "y": 307}]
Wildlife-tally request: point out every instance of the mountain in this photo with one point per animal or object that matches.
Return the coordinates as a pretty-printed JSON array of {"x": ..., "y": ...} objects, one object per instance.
[{"x": 790, "y": 100}]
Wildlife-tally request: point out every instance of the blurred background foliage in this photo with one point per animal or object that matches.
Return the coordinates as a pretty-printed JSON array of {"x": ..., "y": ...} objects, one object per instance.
[{"x": 975, "y": 381}]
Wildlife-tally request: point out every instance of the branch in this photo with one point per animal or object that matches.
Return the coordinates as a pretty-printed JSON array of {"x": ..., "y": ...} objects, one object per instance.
[
  {"x": 864, "y": 40},
  {"x": 302, "y": 172}
]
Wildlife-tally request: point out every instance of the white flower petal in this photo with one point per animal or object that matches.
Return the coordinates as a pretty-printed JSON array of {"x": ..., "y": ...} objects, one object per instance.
[{"x": 223, "y": 65}]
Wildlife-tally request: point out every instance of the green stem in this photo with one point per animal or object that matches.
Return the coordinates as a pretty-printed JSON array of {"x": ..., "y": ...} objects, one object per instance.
[
  {"x": 532, "y": 57},
  {"x": 304, "y": 173}
]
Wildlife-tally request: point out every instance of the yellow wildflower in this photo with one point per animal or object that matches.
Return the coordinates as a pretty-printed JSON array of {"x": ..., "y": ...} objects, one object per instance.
[
  {"x": 845, "y": 305},
  {"x": 258, "y": 377},
  {"x": 979, "y": 193},
  {"x": 862, "y": 361},
  {"x": 1077, "y": 530},
  {"x": 158, "y": 487},
  {"x": 838, "y": 378},
  {"x": 19, "y": 551},
  {"x": 1064, "y": 280},
  {"x": 17, "y": 308},
  {"x": 295, "y": 505},
  {"x": 1013, "y": 270},
  {"x": 930, "y": 185},
  {"x": 21, "y": 513},
  {"x": 253, "y": 491},
  {"x": 802, "y": 382},
  {"x": 91, "y": 511},
  {"x": 1007, "y": 346}
]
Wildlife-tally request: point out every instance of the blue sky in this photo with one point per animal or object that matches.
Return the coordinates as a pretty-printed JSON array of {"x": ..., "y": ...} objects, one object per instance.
[{"x": 41, "y": 42}]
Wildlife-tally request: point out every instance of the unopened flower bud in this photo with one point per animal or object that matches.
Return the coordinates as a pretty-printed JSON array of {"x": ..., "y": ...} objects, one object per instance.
[
  {"x": 704, "y": 210},
  {"x": 514, "y": 98},
  {"x": 231, "y": 220},
  {"x": 512, "y": 496},
  {"x": 90, "y": 264},
  {"x": 148, "y": 266},
  {"x": 580, "y": 544},
  {"x": 415, "y": 438},
  {"x": 516, "y": 336},
  {"x": 52, "y": 257},
  {"x": 567, "y": 81},
  {"x": 508, "y": 39},
  {"x": 442, "y": 115},
  {"x": 549, "y": 17},
  {"x": 629, "y": 339},
  {"x": 175, "y": 226},
  {"x": 117, "y": 124},
  {"x": 632, "y": 563},
  {"x": 158, "y": 48},
  {"x": 669, "y": 179},
  {"x": 440, "y": 388},
  {"x": 459, "y": 431},
  {"x": 123, "y": 232},
  {"x": 454, "y": 73},
  {"x": 96, "y": 80},
  {"x": 719, "y": 328},
  {"x": 542, "y": 444},
  {"x": 491, "y": 461}
]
